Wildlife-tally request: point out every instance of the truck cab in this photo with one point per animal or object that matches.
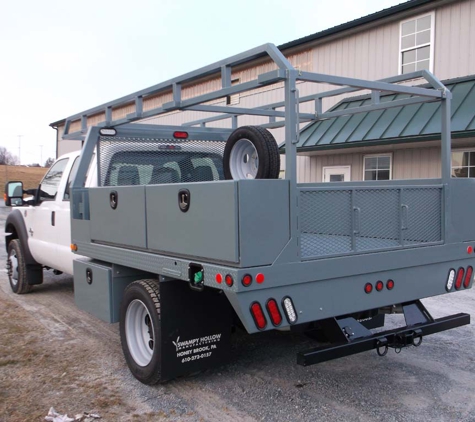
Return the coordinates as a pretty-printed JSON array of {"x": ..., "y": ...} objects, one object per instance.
[{"x": 42, "y": 221}]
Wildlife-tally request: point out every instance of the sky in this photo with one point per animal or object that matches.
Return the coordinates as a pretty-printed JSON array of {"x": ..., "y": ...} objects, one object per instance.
[{"x": 60, "y": 57}]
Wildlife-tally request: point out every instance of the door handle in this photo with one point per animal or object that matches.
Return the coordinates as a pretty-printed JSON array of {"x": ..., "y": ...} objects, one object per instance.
[{"x": 52, "y": 218}]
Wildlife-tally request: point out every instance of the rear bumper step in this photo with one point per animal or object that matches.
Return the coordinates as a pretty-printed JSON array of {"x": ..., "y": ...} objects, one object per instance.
[{"x": 410, "y": 335}]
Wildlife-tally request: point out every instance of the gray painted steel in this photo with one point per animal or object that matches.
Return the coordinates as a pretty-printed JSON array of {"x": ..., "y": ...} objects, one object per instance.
[
  {"x": 208, "y": 230},
  {"x": 264, "y": 228},
  {"x": 124, "y": 225},
  {"x": 319, "y": 244},
  {"x": 101, "y": 295}
]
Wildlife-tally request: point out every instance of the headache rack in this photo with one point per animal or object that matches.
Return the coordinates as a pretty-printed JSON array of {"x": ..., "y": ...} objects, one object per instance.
[{"x": 318, "y": 234}]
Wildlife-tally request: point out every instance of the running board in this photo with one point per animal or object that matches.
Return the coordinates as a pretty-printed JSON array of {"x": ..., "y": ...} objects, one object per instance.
[{"x": 354, "y": 338}]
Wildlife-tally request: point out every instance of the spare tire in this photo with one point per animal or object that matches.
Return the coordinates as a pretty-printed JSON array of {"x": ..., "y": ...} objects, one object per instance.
[{"x": 251, "y": 152}]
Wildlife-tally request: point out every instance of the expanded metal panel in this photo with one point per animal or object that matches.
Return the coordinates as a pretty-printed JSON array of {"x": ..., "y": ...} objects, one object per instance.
[
  {"x": 376, "y": 218},
  {"x": 146, "y": 161},
  {"x": 343, "y": 221},
  {"x": 424, "y": 215},
  {"x": 325, "y": 222}
]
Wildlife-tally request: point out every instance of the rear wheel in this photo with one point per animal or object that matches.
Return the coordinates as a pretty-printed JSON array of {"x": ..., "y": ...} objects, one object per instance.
[
  {"x": 16, "y": 268},
  {"x": 140, "y": 330},
  {"x": 251, "y": 153}
]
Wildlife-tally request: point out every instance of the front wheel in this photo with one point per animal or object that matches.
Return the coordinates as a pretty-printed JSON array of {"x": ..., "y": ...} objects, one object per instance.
[
  {"x": 140, "y": 330},
  {"x": 16, "y": 268}
]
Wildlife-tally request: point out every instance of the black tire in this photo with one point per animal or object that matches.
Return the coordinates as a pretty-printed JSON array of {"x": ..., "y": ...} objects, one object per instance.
[
  {"x": 16, "y": 268},
  {"x": 265, "y": 146},
  {"x": 148, "y": 293}
]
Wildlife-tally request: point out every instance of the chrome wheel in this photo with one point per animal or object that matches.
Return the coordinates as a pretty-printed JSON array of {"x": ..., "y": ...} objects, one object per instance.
[
  {"x": 244, "y": 160},
  {"x": 12, "y": 267},
  {"x": 139, "y": 332}
]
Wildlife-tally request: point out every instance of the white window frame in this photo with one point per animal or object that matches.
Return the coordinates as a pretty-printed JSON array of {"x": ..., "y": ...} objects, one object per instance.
[
  {"x": 460, "y": 150},
  {"x": 388, "y": 154},
  {"x": 431, "y": 45},
  {"x": 348, "y": 168}
]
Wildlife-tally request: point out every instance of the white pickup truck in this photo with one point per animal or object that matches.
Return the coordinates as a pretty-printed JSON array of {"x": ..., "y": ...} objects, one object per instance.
[{"x": 41, "y": 229}]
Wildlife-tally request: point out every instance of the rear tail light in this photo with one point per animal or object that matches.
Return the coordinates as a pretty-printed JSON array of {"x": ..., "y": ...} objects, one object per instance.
[
  {"x": 390, "y": 285},
  {"x": 450, "y": 280},
  {"x": 258, "y": 316},
  {"x": 274, "y": 313},
  {"x": 468, "y": 277},
  {"x": 379, "y": 285},
  {"x": 289, "y": 310},
  {"x": 459, "y": 279},
  {"x": 368, "y": 288}
]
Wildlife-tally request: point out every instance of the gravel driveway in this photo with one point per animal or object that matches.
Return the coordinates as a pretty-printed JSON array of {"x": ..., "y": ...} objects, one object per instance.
[{"x": 53, "y": 354}]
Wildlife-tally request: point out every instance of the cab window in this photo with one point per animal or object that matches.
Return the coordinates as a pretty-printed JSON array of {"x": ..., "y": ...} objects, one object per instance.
[
  {"x": 50, "y": 183},
  {"x": 72, "y": 173}
]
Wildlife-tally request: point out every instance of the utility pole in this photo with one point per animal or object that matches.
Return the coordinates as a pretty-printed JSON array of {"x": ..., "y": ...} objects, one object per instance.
[{"x": 19, "y": 147}]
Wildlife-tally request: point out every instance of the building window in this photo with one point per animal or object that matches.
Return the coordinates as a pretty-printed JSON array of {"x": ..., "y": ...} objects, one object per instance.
[
  {"x": 233, "y": 99},
  {"x": 463, "y": 164},
  {"x": 417, "y": 44},
  {"x": 377, "y": 167}
]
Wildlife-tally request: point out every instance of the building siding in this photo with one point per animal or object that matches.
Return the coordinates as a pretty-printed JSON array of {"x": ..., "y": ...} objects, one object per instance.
[{"x": 411, "y": 161}]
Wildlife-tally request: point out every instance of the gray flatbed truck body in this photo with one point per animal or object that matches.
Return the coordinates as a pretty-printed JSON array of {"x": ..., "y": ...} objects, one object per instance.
[{"x": 309, "y": 253}]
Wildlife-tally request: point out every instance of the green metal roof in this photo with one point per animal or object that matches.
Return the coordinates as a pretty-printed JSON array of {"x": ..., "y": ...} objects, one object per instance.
[{"x": 415, "y": 122}]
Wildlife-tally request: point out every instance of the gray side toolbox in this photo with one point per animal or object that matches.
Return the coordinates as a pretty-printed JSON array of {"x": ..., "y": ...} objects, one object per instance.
[{"x": 99, "y": 287}]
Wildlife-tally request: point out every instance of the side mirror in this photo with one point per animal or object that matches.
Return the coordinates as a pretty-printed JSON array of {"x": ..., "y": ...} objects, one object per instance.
[{"x": 13, "y": 195}]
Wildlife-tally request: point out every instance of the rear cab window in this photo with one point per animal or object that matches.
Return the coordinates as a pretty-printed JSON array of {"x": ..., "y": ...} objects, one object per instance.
[{"x": 146, "y": 168}]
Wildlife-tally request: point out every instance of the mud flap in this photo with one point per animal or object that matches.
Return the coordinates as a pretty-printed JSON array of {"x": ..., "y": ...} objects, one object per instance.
[{"x": 196, "y": 329}]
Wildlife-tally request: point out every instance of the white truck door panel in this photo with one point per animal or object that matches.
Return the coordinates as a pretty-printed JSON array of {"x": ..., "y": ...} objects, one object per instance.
[{"x": 48, "y": 224}]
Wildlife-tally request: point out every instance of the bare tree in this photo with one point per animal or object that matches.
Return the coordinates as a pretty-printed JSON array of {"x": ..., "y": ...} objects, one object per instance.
[
  {"x": 6, "y": 157},
  {"x": 49, "y": 162}
]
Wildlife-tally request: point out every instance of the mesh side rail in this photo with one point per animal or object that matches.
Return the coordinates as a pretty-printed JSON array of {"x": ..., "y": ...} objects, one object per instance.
[
  {"x": 146, "y": 161},
  {"x": 345, "y": 221}
]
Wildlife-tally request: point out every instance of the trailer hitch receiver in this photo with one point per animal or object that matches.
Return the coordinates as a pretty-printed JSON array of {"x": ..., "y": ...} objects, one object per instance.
[{"x": 351, "y": 337}]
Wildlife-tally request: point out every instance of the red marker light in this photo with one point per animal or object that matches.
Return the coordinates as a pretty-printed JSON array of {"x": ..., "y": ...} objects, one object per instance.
[
  {"x": 229, "y": 280},
  {"x": 390, "y": 284},
  {"x": 469, "y": 249},
  {"x": 379, "y": 285},
  {"x": 260, "y": 278},
  {"x": 246, "y": 280},
  {"x": 368, "y": 288},
  {"x": 219, "y": 278},
  {"x": 180, "y": 135}
]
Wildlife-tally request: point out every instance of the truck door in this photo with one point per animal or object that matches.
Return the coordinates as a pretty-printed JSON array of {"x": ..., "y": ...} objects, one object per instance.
[
  {"x": 63, "y": 223},
  {"x": 42, "y": 224}
]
